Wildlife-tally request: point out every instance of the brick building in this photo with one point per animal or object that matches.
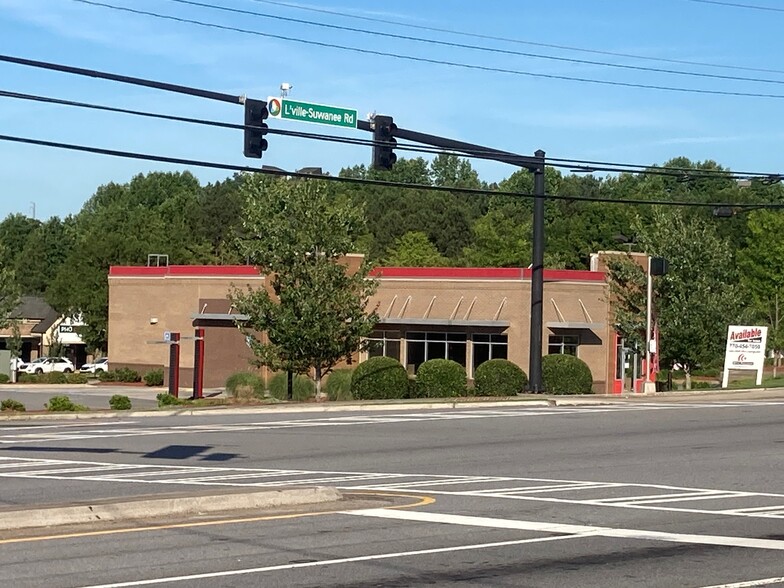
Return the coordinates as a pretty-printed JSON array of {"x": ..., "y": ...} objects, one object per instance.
[{"x": 465, "y": 314}]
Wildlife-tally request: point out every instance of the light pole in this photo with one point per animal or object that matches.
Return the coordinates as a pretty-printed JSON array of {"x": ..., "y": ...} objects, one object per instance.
[{"x": 649, "y": 387}]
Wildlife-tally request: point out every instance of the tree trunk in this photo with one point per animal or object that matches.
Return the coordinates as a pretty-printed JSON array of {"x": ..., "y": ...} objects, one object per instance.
[
  {"x": 776, "y": 360},
  {"x": 687, "y": 372},
  {"x": 319, "y": 397}
]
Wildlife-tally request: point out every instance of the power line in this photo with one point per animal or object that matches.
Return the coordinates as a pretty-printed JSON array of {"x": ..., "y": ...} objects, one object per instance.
[
  {"x": 739, "y": 5},
  {"x": 679, "y": 172},
  {"x": 413, "y": 58},
  {"x": 475, "y": 47},
  {"x": 513, "y": 40},
  {"x": 371, "y": 182}
]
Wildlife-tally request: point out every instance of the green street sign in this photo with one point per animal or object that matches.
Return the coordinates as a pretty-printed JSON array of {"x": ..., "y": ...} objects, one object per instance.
[{"x": 312, "y": 113}]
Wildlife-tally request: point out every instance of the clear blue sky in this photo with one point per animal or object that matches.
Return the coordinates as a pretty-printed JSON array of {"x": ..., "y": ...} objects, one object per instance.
[{"x": 514, "y": 112}]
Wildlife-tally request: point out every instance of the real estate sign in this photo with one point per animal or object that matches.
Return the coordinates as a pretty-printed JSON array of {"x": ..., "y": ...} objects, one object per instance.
[{"x": 745, "y": 351}]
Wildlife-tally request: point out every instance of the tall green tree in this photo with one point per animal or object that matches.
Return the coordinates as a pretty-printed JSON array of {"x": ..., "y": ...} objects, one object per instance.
[
  {"x": 9, "y": 292},
  {"x": 699, "y": 297},
  {"x": 43, "y": 255},
  {"x": 414, "y": 249},
  {"x": 314, "y": 313},
  {"x": 762, "y": 271}
]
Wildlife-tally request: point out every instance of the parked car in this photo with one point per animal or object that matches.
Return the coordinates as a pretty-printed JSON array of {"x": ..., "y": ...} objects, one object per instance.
[
  {"x": 22, "y": 366},
  {"x": 48, "y": 365},
  {"x": 99, "y": 365}
]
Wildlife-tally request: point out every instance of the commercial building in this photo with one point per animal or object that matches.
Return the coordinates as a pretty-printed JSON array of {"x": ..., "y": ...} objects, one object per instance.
[{"x": 465, "y": 314}]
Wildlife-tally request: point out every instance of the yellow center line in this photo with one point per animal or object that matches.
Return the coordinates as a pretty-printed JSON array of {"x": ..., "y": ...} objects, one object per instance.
[{"x": 421, "y": 501}]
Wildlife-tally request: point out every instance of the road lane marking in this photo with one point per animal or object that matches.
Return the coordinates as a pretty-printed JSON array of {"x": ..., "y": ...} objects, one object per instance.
[
  {"x": 570, "y": 529},
  {"x": 750, "y": 583},
  {"x": 330, "y": 562}
]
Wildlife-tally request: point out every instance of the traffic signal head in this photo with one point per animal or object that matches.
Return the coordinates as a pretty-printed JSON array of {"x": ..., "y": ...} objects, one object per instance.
[
  {"x": 255, "y": 128},
  {"x": 384, "y": 137}
]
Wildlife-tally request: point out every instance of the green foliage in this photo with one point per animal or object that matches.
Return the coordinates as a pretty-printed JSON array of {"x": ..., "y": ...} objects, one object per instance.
[
  {"x": 628, "y": 285},
  {"x": 54, "y": 378},
  {"x": 303, "y": 387},
  {"x": 499, "y": 377},
  {"x": 63, "y": 403},
  {"x": 165, "y": 399},
  {"x": 154, "y": 377},
  {"x": 245, "y": 385},
  {"x": 14, "y": 342},
  {"x": 126, "y": 375},
  {"x": 4, "y": 379},
  {"x": 120, "y": 402},
  {"x": 316, "y": 314},
  {"x": 379, "y": 378},
  {"x": 110, "y": 376},
  {"x": 414, "y": 249},
  {"x": 9, "y": 292},
  {"x": 11, "y": 405},
  {"x": 501, "y": 238},
  {"x": 441, "y": 378},
  {"x": 338, "y": 385},
  {"x": 566, "y": 374}
]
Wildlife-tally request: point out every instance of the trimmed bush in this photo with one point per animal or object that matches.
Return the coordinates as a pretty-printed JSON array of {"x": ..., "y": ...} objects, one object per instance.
[
  {"x": 11, "y": 405},
  {"x": 76, "y": 378},
  {"x": 245, "y": 385},
  {"x": 128, "y": 375},
  {"x": 338, "y": 386},
  {"x": 566, "y": 374},
  {"x": 53, "y": 378},
  {"x": 107, "y": 376},
  {"x": 303, "y": 389},
  {"x": 63, "y": 404},
  {"x": 120, "y": 402},
  {"x": 441, "y": 378},
  {"x": 379, "y": 378},
  {"x": 166, "y": 399},
  {"x": 499, "y": 377},
  {"x": 4, "y": 379},
  {"x": 154, "y": 378}
]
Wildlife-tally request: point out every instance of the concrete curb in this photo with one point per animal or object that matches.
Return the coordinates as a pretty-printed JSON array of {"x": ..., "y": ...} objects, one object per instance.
[{"x": 163, "y": 507}]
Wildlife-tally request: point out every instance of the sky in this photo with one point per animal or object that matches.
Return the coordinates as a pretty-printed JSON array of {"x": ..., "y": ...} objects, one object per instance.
[{"x": 526, "y": 107}]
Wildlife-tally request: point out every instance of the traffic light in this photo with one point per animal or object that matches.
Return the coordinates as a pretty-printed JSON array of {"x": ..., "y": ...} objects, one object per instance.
[
  {"x": 255, "y": 128},
  {"x": 384, "y": 131}
]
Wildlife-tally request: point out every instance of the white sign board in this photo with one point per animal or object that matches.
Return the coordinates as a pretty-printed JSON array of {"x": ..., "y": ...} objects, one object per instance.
[{"x": 745, "y": 351}]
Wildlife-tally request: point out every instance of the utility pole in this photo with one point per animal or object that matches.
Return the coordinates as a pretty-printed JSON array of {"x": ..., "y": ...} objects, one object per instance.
[{"x": 535, "y": 383}]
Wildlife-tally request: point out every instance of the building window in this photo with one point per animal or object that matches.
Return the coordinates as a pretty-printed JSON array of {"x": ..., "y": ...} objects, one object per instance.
[
  {"x": 563, "y": 345},
  {"x": 489, "y": 347},
  {"x": 424, "y": 346},
  {"x": 384, "y": 343}
]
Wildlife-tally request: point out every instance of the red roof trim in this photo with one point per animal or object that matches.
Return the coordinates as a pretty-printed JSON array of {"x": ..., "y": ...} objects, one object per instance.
[
  {"x": 486, "y": 273},
  {"x": 183, "y": 270}
]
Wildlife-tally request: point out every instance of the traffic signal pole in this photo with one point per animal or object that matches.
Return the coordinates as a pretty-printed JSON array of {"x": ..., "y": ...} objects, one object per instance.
[{"x": 536, "y": 165}]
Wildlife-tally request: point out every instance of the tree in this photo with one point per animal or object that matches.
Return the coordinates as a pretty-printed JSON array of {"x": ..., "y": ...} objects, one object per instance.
[
  {"x": 314, "y": 313},
  {"x": 44, "y": 253},
  {"x": 699, "y": 296},
  {"x": 762, "y": 265},
  {"x": 9, "y": 292},
  {"x": 414, "y": 249},
  {"x": 627, "y": 284},
  {"x": 502, "y": 237}
]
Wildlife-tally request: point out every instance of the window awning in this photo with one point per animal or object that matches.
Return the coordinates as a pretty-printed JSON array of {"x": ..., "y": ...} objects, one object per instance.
[
  {"x": 575, "y": 325},
  {"x": 219, "y": 316}
]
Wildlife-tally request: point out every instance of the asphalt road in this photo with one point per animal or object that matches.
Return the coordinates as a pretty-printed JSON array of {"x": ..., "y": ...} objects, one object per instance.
[{"x": 646, "y": 494}]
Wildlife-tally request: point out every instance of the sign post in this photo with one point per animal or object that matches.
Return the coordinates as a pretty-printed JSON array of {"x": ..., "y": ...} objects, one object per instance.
[
  {"x": 745, "y": 351},
  {"x": 335, "y": 116}
]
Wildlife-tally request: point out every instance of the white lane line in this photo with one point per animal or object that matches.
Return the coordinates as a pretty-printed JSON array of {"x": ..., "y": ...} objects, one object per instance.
[
  {"x": 329, "y": 562},
  {"x": 434, "y": 517},
  {"x": 750, "y": 583}
]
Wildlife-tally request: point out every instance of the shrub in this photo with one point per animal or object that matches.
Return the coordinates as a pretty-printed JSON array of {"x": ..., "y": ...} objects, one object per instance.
[
  {"x": 566, "y": 374},
  {"x": 4, "y": 379},
  {"x": 107, "y": 376},
  {"x": 441, "y": 378},
  {"x": 154, "y": 377},
  {"x": 128, "y": 375},
  {"x": 76, "y": 378},
  {"x": 303, "y": 388},
  {"x": 338, "y": 385},
  {"x": 63, "y": 404},
  {"x": 166, "y": 399},
  {"x": 499, "y": 377},
  {"x": 379, "y": 378},
  {"x": 120, "y": 402},
  {"x": 28, "y": 378},
  {"x": 245, "y": 385},
  {"x": 53, "y": 378},
  {"x": 11, "y": 405}
]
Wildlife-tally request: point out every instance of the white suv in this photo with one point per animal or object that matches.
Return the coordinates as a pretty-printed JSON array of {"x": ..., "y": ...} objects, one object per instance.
[
  {"x": 99, "y": 365},
  {"x": 49, "y": 364}
]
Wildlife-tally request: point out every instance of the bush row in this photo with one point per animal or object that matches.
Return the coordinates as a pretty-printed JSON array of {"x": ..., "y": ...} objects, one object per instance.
[{"x": 382, "y": 378}]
